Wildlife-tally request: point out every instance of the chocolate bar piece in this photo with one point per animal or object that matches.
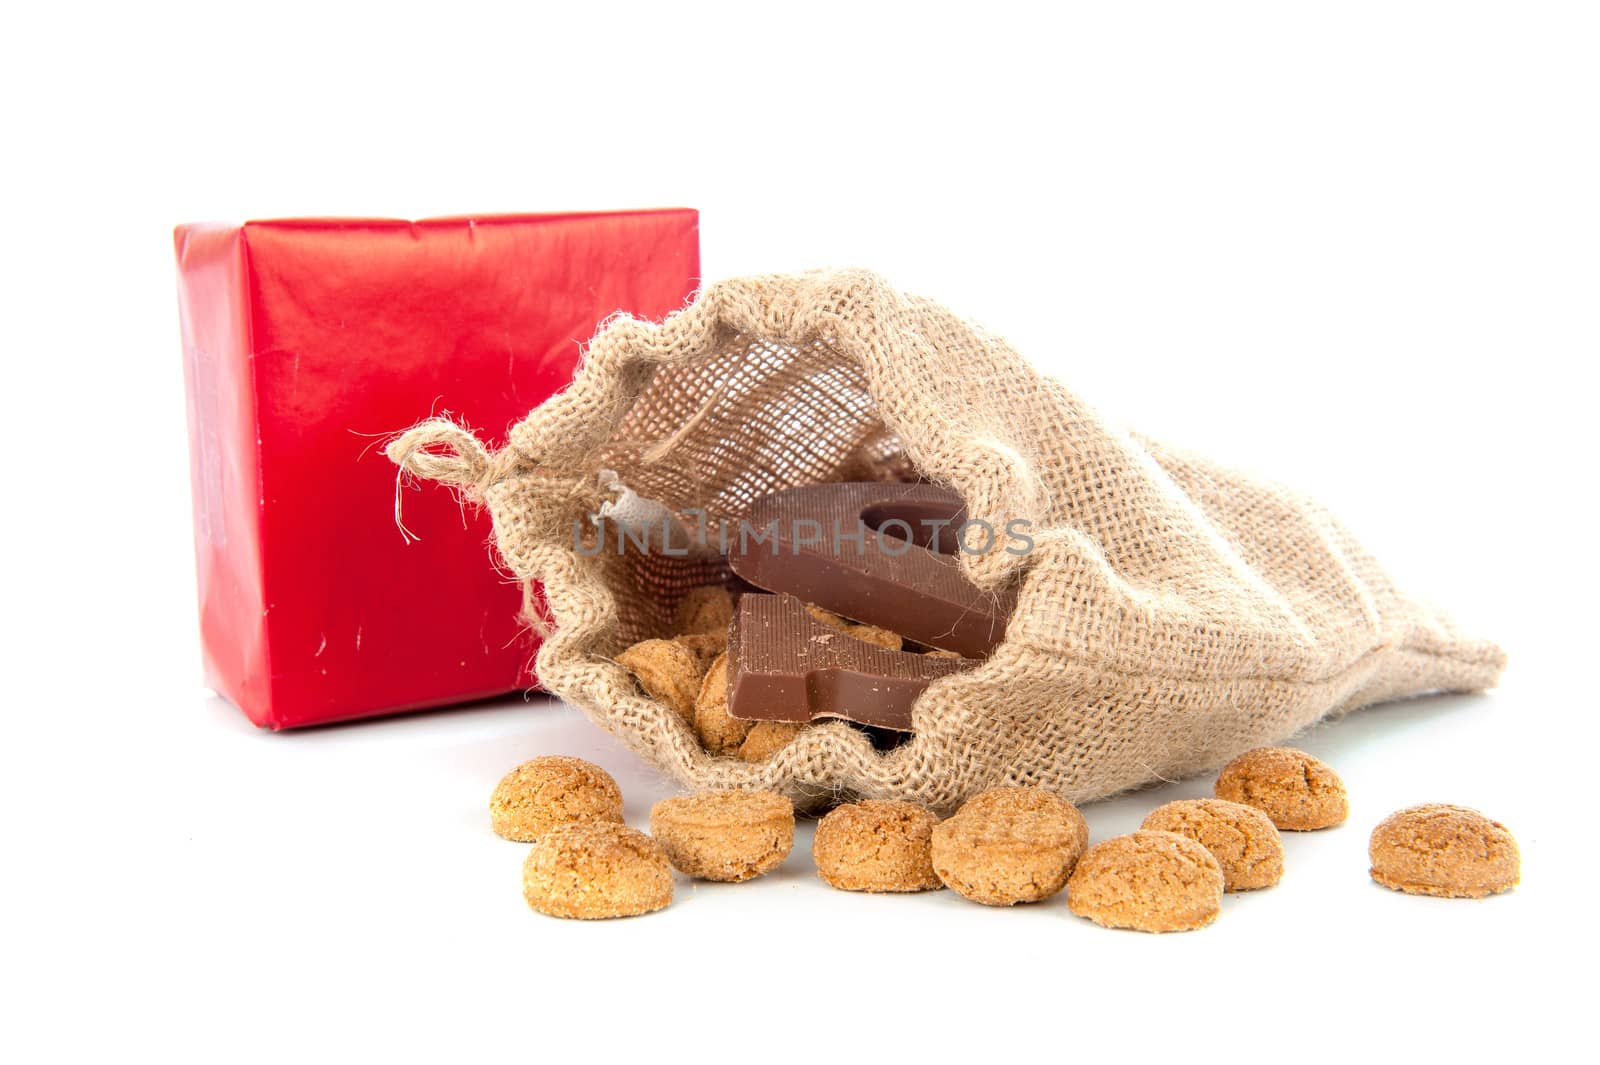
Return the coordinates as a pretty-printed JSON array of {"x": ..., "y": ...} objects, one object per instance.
[
  {"x": 882, "y": 554},
  {"x": 784, "y": 665}
]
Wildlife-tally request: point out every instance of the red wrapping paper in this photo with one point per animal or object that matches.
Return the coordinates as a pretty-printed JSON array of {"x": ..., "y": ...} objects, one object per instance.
[{"x": 306, "y": 344}]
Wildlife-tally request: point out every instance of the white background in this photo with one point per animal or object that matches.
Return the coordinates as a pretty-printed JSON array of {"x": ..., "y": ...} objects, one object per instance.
[{"x": 1351, "y": 246}]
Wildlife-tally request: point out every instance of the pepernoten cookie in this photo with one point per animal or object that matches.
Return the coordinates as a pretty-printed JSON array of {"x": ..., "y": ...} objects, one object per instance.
[
  {"x": 1009, "y": 845},
  {"x": 1297, "y": 791},
  {"x": 596, "y": 870},
  {"x": 827, "y": 617},
  {"x": 724, "y": 835},
  {"x": 767, "y": 738},
  {"x": 1147, "y": 881},
  {"x": 719, "y": 732},
  {"x": 705, "y": 646},
  {"x": 703, "y": 610},
  {"x": 555, "y": 790},
  {"x": 1450, "y": 851},
  {"x": 668, "y": 671},
  {"x": 877, "y": 846},
  {"x": 1241, "y": 838},
  {"x": 875, "y": 635}
]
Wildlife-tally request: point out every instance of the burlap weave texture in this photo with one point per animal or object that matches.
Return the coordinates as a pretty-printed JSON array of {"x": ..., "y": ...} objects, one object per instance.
[{"x": 1171, "y": 614}]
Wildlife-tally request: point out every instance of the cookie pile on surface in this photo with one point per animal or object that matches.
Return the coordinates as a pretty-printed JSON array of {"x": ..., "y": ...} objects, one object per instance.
[
  {"x": 1004, "y": 846},
  {"x": 1297, "y": 791},
  {"x": 1149, "y": 881},
  {"x": 1449, "y": 851},
  {"x": 878, "y": 846},
  {"x": 586, "y": 864},
  {"x": 1009, "y": 845},
  {"x": 730, "y": 836}
]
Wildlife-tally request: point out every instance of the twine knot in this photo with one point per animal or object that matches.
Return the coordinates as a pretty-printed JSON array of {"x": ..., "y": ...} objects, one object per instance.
[{"x": 441, "y": 450}]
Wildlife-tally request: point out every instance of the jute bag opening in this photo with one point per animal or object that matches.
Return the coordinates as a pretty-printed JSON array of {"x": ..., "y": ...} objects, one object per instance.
[{"x": 1170, "y": 614}]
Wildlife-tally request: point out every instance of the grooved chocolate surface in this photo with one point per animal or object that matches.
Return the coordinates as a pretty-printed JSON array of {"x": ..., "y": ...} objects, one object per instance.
[
  {"x": 784, "y": 665},
  {"x": 823, "y": 544}
]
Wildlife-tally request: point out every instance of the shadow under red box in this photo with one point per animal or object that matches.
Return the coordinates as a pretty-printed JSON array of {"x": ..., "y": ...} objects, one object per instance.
[{"x": 307, "y": 344}]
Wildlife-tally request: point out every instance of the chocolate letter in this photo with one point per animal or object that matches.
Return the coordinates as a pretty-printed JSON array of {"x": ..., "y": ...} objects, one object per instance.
[
  {"x": 906, "y": 578},
  {"x": 783, "y": 665}
]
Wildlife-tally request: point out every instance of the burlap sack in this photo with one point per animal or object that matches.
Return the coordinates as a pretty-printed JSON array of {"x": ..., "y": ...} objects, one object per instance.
[{"x": 1171, "y": 614}]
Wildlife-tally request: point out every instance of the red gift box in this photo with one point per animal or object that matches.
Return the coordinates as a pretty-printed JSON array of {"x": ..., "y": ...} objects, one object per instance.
[{"x": 306, "y": 344}]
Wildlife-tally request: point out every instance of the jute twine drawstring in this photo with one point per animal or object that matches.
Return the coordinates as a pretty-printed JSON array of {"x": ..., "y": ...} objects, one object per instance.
[
  {"x": 444, "y": 451},
  {"x": 441, "y": 450}
]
